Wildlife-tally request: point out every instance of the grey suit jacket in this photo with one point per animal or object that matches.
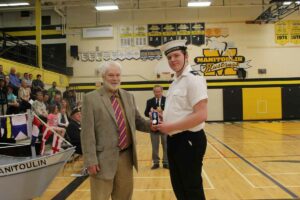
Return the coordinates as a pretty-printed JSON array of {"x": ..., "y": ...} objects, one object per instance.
[{"x": 99, "y": 133}]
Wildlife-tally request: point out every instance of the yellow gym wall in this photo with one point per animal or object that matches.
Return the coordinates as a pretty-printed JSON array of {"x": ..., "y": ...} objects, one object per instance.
[
  {"x": 262, "y": 103},
  {"x": 47, "y": 76}
]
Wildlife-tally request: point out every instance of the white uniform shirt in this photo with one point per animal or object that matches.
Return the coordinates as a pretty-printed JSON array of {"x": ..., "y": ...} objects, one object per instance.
[{"x": 185, "y": 91}]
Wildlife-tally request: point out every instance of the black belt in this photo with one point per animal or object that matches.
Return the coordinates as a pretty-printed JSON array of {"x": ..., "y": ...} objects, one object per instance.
[{"x": 127, "y": 148}]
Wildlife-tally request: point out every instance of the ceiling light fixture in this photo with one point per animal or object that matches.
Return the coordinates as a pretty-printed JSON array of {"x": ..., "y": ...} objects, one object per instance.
[
  {"x": 106, "y": 6},
  {"x": 199, "y": 3},
  {"x": 14, "y": 4},
  {"x": 286, "y": 3}
]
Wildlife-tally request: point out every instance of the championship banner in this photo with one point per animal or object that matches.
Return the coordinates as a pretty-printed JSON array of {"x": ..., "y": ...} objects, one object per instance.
[
  {"x": 92, "y": 56},
  {"x": 98, "y": 56},
  {"x": 114, "y": 55},
  {"x": 282, "y": 32},
  {"x": 126, "y": 35},
  {"x": 184, "y": 32},
  {"x": 295, "y": 32},
  {"x": 198, "y": 33},
  {"x": 106, "y": 55},
  {"x": 150, "y": 54},
  {"x": 121, "y": 55},
  {"x": 169, "y": 32},
  {"x": 140, "y": 35},
  {"x": 154, "y": 35},
  {"x": 84, "y": 57}
]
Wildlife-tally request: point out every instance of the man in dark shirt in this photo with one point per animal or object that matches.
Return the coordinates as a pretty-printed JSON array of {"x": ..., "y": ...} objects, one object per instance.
[{"x": 74, "y": 129}]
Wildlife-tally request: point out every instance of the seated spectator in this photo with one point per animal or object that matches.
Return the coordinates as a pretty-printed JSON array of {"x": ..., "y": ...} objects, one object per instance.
[
  {"x": 52, "y": 120},
  {"x": 37, "y": 84},
  {"x": 72, "y": 99},
  {"x": 12, "y": 104},
  {"x": 19, "y": 76},
  {"x": 56, "y": 100},
  {"x": 66, "y": 93},
  {"x": 24, "y": 96},
  {"x": 3, "y": 97},
  {"x": 14, "y": 81},
  {"x": 30, "y": 76},
  {"x": 27, "y": 80},
  {"x": 39, "y": 107},
  {"x": 46, "y": 99},
  {"x": 74, "y": 129},
  {"x": 65, "y": 105},
  {"x": 63, "y": 121},
  {"x": 6, "y": 78},
  {"x": 52, "y": 91}
]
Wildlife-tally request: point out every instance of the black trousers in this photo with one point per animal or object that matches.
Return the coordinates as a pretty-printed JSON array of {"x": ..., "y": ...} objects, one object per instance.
[{"x": 185, "y": 153}]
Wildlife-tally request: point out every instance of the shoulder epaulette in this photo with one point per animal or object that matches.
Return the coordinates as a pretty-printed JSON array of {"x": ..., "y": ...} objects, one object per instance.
[{"x": 195, "y": 73}]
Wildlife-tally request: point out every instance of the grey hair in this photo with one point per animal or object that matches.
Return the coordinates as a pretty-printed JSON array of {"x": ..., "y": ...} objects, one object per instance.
[
  {"x": 158, "y": 86},
  {"x": 107, "y": 65}
]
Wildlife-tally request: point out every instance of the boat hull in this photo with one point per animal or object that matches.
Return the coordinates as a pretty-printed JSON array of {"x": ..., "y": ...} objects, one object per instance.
[{"x": 30, "y": 178}]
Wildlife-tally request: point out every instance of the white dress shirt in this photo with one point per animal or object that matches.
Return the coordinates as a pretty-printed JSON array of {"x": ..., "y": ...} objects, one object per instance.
[{"x": 185, "y": 91}]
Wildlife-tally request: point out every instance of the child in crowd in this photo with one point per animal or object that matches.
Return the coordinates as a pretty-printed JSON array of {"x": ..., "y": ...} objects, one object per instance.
[
  {"x": 12, "y": 104},
  {"x": 52, "y": 120}
]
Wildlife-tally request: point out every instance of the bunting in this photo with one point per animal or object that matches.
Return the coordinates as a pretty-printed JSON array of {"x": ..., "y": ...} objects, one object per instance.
[
  {"x": 56, "y": 143},
  {"x": 46, "y": 134},
  {"x": 36, "y": 123}
]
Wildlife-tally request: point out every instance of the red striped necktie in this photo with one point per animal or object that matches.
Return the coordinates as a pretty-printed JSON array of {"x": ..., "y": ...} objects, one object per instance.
[{"x": 120, "y": 121}]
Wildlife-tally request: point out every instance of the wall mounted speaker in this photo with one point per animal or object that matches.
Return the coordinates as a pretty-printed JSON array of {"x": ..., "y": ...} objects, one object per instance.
[{"x": 74, "y": 51}]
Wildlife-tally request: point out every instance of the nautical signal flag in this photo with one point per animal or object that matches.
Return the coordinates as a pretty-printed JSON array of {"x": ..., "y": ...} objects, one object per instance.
[
  {"x": 14, "y": 127},
  {"x": 46, "y": 134},
  {"x": 19, "y": 127},
  {"x": 36, "y": 123},
  {"x": 56, "y": 143}
]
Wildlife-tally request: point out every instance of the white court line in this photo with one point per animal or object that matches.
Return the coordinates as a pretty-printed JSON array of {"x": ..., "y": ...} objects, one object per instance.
[
  {"x": 246, "y": 179},
  {"x": 240, "y": 173},
  {"x": 151, "y": 177},
  {"x": 211, "y": 186},
  {"x": 278, "y": 173},
  {"x": 286, "y": 173},
  {"x": 252, "y": 174},
  {"x": 233, "y": 167},
  {"x": 292, "y": 186}
]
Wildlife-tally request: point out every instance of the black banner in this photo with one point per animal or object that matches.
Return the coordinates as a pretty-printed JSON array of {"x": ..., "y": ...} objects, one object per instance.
[
  {"x": 169, "y": 32},
  {"x": 198, "y": 33},
  {"x": 184, "y": 32},
  {"x": 154, "y": 34}
]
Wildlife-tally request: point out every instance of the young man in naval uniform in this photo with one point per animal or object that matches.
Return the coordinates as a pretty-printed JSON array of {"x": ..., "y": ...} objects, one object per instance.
[{"x": 183, "y": 121}]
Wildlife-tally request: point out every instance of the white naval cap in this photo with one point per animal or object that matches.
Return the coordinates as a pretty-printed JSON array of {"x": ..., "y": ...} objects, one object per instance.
[{"x": 173, "y": 45}]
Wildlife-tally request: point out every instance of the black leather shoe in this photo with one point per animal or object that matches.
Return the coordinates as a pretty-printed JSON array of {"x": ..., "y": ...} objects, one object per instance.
[
  {"x": 166, "y": 166},
  {"x": 155, "y": 166}
]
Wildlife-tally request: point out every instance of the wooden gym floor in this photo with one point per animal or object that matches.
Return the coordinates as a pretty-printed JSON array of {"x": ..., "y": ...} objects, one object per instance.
[{"x": 249, "y": 160}]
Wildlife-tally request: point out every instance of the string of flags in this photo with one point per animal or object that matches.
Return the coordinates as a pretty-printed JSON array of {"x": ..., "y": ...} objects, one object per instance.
[{"x": 17, "y": 127}]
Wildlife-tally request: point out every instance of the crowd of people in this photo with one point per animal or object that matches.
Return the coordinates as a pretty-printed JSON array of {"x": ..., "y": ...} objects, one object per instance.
[{"x": 19, "y": 93}]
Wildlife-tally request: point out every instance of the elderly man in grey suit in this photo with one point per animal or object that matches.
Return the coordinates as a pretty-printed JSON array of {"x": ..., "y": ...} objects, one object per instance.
[{"x": 109, "y": 122}]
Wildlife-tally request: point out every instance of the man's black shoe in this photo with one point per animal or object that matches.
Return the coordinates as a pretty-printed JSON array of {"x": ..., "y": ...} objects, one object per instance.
[
  {"x": 166, "y": 166},
  {"x": 155, "y": 166}
]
